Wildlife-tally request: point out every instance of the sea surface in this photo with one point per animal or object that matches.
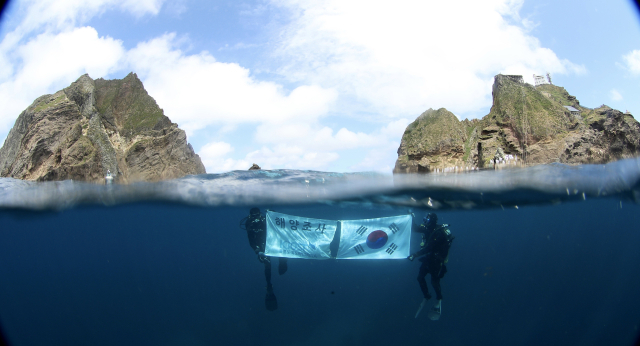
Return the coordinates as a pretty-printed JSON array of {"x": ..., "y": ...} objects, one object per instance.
[{"x": 547, "y": 255}]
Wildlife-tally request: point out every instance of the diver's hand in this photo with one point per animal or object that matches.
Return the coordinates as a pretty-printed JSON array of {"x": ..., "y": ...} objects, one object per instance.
[
  {"x": 262, "y": 257},
  {"x": 410, "y": 258}
]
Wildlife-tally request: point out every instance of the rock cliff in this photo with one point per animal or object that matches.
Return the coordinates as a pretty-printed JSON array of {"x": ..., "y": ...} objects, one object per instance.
[
  {"x": 95, "y": 126},
  {"x": 531, "y": 123}
]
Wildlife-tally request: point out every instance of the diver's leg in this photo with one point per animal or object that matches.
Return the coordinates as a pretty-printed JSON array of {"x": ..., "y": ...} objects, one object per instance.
[
  {"x": 443, "y": 271},
  {"x": 424, "y": 270},
  {"x": 282, "y": 265},
  {"x": 267, "y": 272},
  {"x": 270, "y": 301},
  {"x": 435, "y": 269}
]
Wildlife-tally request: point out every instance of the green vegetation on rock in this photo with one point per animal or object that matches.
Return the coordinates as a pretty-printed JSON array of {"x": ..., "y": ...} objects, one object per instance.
[
  {"x": 95, "y": 126},
  {"x": 50, "y": 101},
  {"x": 527, "y": 122},
  {"x": 128, "y": 104},
  {"x": 432, "y": 130},
  {"x": 527, "y": 112}
]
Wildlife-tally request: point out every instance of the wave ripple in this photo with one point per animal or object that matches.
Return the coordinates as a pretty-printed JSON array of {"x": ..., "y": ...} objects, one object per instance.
[{"x": 542, "y": 184}]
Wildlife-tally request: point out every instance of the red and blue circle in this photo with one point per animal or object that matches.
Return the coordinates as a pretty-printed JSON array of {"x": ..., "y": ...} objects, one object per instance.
[{"x": 377, "y": 239}]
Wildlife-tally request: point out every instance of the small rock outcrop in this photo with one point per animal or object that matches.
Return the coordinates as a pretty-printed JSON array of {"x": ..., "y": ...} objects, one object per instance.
[
  {"x": 95, "y": 126},
  {"x": 538, "y": 125},
  {"x": 254, "y": 167}
]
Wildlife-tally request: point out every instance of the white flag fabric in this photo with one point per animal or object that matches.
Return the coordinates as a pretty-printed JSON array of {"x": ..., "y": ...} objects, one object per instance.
[
  {"x": 299, "y": 237},
  {"x": 381, "y": 238}
]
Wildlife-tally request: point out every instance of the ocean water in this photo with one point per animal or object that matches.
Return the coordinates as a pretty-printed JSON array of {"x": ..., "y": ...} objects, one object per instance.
[{"x": 548, "y": 255}]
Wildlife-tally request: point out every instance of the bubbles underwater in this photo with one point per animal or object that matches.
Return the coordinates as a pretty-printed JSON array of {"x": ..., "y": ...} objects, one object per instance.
[{"x": 163, "y": 271}]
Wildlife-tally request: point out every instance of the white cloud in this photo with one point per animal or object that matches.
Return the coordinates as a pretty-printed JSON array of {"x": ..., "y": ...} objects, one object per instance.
[
  {"x": 214, "y": 160},
  {"x": 66, "y": 14},
  {"x": 215, "y": 149},
  {"x": 615, "y": 95},
  {"x": 395, "y": 129},
  {"x": 286, "y": 149},
  {"x": 405, "y": 57},
  {"x": 379, "y": 158},
  {"x": 311, "y": 136},
  {"x": 52, "y": 58},
  {"x": 300, "y": 144},
  {"x": 237, "y": 46},
  {"x": 291, "y": 157},
  {"x": 633, "y": 61},
  {"x": 196, "y": 90},
  {"x": 310, "y": 146}
]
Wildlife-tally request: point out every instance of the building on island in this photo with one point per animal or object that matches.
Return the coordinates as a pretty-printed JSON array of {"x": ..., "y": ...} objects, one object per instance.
[
  {"x": 574, "y": 112},
  {"x": 539, "y": 80}
]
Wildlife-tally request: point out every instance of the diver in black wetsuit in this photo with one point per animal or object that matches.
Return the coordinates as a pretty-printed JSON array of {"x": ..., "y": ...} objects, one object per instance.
[
  {"x": 256, "y": 226},
  {"x": 436, "y": 241}
]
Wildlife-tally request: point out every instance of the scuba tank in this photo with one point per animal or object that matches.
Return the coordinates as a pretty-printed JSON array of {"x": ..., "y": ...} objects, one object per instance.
[
  {"x": 446, "y": 232},
  {"x": 450, "y": 238},
  {"x": 251, "y": 222},
  {"x": 441, "y": 244}
]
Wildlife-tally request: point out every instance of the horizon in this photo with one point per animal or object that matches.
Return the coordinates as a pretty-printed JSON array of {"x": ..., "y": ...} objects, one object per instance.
[{"x": 319, "y": 85}]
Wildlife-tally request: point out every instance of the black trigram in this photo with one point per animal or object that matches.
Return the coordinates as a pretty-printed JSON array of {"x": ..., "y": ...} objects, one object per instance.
[
  {"x": 394, "y": 228},
  {"x": 361, "y": 230},
  {"x": 359, "y": 249},
  {"x": 393, "y": 247}
]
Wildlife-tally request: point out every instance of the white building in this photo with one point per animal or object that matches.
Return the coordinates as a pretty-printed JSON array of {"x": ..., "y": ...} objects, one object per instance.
[
  {"x": 539, "y": 80},
  {"x": 573, "y": 111}
]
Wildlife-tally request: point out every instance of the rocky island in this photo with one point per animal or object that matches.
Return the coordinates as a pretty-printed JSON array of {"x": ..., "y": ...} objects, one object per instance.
[
  {"x": 527, "y": 125},
  {"x": 93, "y": 127}
]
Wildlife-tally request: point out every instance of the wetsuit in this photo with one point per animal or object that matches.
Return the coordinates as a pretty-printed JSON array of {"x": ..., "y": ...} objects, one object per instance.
[
  {"x": 257, "y": 234},
  {"x": 437, "y": 241}
]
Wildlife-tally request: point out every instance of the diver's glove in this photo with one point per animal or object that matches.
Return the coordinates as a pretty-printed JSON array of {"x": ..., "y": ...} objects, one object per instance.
[
  {"x": 410, "y": 258},
  {"x": 262, "y": 257}
]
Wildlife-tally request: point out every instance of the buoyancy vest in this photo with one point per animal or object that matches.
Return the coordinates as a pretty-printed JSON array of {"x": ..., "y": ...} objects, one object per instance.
[
  {"x": 443, "y": 245},
  {"x": 256, "y": 224}
]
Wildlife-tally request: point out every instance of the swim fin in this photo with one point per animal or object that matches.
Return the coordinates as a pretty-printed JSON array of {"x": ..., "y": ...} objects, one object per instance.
[
  {"x": 424, "y": 301},
  {"x": 282, "y": 265},
  {"x": 270, "y": 301},
  {"x": 436, "y": 311}
]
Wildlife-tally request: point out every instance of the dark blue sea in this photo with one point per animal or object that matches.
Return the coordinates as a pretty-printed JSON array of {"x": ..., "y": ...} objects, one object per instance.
[{"x": 547, "y": 255}]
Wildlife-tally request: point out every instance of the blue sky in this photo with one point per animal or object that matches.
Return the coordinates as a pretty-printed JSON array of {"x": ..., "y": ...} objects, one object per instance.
[{"x": 309, "y": 84}]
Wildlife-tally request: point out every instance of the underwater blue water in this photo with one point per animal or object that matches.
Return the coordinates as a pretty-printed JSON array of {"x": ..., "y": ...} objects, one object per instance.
[{"x": 548, "y": 255}]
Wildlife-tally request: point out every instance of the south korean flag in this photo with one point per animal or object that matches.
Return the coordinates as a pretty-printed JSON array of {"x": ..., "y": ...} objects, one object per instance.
[{"x": 381, "y": 238}]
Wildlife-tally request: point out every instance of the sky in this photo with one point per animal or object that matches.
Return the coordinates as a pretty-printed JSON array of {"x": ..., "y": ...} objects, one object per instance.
[{"x": 326, "y": 85}]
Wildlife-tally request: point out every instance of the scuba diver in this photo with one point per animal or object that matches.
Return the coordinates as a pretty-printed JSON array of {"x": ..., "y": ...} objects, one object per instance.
[
  {"x": 256, "y": 226},
  {"x": 434, "y": 253}
]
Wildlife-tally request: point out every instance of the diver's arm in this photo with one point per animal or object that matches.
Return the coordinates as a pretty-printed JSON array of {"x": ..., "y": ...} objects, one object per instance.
[
  {"x": 252, "y": 241},
  {"x": 418, "y": 228},
  {"x": 421, "y": 252}
]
